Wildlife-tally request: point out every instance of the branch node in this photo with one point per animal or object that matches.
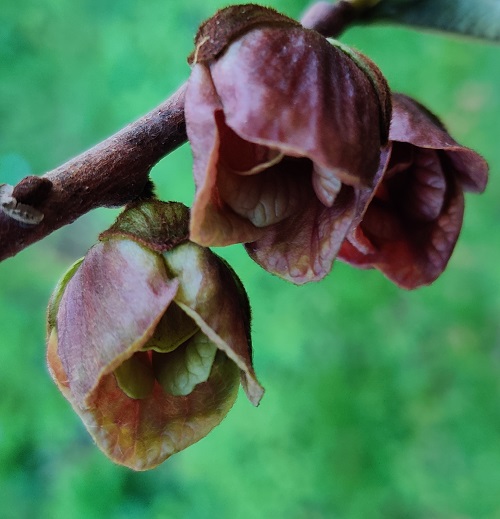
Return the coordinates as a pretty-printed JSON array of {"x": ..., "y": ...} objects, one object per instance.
[{"x": 32, "y": 190}]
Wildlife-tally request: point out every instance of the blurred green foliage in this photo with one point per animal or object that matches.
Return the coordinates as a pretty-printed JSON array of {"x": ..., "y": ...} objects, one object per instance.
[{"x": 380, "y": 403}]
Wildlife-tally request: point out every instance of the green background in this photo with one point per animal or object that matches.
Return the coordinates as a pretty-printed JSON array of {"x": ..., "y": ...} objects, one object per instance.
[{"x": 379, "y": 403}]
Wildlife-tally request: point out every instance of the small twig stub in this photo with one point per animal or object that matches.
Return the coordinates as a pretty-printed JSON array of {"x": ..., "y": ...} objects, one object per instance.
[{"x": 22, "y": 213}]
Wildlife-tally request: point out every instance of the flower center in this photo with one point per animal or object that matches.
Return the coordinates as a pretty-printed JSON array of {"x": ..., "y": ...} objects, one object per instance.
[{"x": 178, "y": 357}]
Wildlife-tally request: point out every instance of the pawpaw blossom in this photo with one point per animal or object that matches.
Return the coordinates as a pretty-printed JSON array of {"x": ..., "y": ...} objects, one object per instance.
[
  {"x": 148, "y": 338},
  {"x": 286, "y": 130},
  {"x": 414, "y": 217}
]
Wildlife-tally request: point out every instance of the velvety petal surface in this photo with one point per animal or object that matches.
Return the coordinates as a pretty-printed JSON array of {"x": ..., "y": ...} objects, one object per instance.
[
  {"x": 414, "y": 124},
  {"x": 109, "y": 309},
  {"x": 292, "y": 90}
]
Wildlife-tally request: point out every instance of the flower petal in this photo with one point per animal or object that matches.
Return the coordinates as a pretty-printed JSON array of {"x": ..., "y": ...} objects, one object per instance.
[
  {"x": 410, "y": 253},
  {"x": 135, "y": 376},
  {"x": 413, "y": 123},
  {"x": 141, "y": 434},
  {"x": 173, "y": 329},
  {"x": 303, "y": 247},
  {"x": 243, "y": 116},
  {"x": 212, "y": 221},
  {"x": 419, "y": 192},
  {"x": 111, "y": 305},
  {"x": 220, "y": 314},
  {"x": 326, "y": 184},
  {"x": 181, "y": 370},
  {"x": 268, "y": 198},
  {"x": 305, "y": 103}
]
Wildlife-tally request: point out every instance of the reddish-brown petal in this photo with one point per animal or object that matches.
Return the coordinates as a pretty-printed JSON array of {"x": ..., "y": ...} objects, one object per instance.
[
  {"x": 240, "y": 157},
  {"x": 358, "y": 250},
  {"x": 411, "y": 253},
  {"x": 419, "y": 192},
  {"x": 212, "y": 222},
  {"x": 414, "y": 218},
  {"x": 269, "y": 197},
  {"x": 141, "y": 434},
  {"x": 302, "y": 248},
  {"x": 293, "y": 91},
  {"x": 109, "y": 308},
  {"x": 414, "y": 124}
]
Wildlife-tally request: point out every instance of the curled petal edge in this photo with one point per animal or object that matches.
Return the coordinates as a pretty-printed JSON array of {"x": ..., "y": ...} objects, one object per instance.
[{"x": 253, "y": 389}]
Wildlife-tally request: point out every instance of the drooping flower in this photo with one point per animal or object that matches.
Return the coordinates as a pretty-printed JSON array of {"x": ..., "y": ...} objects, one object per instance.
[
  {"x": 286, "y": 130},
  {"x": 148, "y": 337},
  {"x": 414, "y": 217}
]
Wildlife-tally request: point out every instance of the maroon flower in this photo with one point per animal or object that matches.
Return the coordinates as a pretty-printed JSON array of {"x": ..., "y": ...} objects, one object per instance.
[
  {"x": 286, "y": 130},
  {"x": 414, "y": 217}
]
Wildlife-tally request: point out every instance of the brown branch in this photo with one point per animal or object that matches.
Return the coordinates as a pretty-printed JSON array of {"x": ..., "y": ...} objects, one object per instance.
[
  {"x": 110, "y": 174},
  {"x": 329, "y": 19},
  {"x": 115, "y": 171}
]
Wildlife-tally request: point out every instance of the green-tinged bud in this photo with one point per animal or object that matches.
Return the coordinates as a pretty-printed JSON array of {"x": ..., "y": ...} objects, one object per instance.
[
  {"x": 55, "y": 298},
  {"x": 148, "y": 337}
]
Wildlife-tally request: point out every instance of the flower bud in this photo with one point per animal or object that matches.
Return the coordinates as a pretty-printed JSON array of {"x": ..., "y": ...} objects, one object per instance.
[
  {"x": 286, "y": 130},
  {"x": 148, "y": 337},
  {"x": 413, "y": 219}
]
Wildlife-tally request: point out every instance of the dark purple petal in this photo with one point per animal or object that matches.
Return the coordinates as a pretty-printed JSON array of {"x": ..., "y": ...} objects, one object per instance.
[
  {"x": 414, "y": 124},
  {"x": 409, "y": 251},
  {"x": 414, "y": 217},
  {"x": 420, "y": 190},
  {"x": 295, "y": 92}
]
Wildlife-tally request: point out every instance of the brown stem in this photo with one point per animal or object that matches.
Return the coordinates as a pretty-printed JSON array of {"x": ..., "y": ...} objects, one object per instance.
[
  {"x": 110, "y": 174},
  {"x": 116, "y": 171},
  {"x": 329, "y": 19}
]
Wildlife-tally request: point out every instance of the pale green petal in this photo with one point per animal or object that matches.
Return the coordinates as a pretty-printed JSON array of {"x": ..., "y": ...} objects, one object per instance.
[
  {"x": 209, "y": 293},
  {"x": 178, "y": 372},
  {"x": 135, "y": 376},
  {"x": 174, "y": 328}
]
